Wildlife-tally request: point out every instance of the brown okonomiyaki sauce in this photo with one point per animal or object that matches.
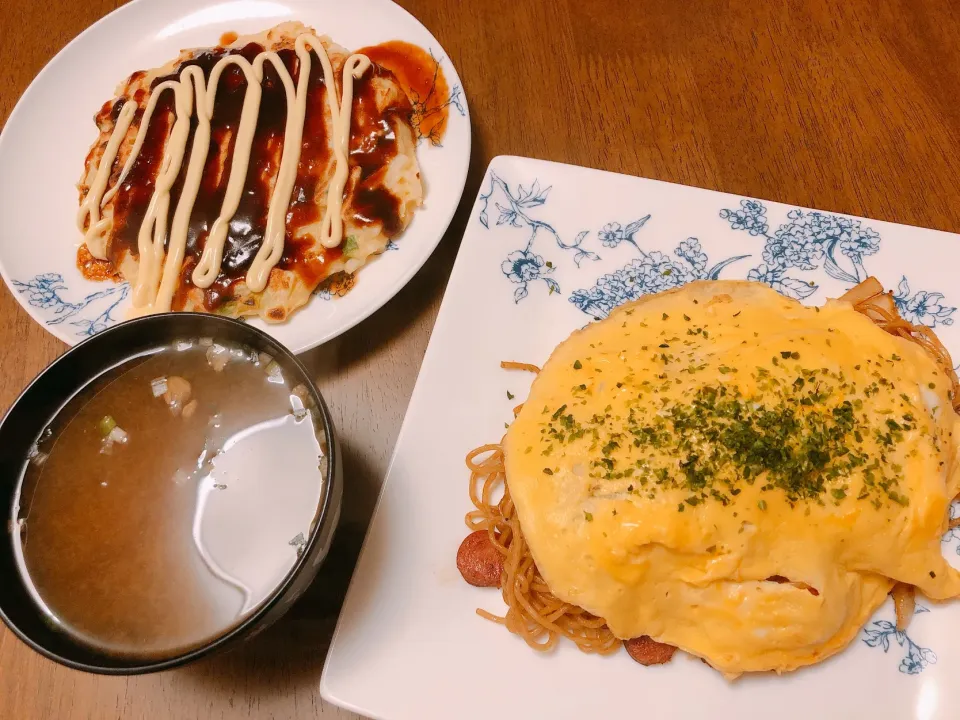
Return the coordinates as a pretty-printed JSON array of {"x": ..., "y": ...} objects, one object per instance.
[
  {"x": 372, "y": 145},
  {"x": 421, "y": 76},
  {"x": 169, "y": 498}
]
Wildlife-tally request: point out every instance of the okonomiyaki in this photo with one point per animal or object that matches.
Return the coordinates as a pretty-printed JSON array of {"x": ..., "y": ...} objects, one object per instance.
[{"x": 238, "y": 179}]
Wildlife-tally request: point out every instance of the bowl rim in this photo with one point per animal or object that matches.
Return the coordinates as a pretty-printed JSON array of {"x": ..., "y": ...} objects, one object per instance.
[{"x": 325, "y": 514}]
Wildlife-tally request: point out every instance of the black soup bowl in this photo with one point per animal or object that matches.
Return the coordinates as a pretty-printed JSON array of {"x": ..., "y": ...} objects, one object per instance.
[{"x": 54, "y": 387}]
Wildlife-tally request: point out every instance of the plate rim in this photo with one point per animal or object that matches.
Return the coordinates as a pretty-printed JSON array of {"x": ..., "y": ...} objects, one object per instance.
[{"x": 326, "y": 692}]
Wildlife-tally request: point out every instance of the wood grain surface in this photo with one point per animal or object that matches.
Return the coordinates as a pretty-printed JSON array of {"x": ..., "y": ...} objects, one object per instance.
[{"x": 842, "y": 105}]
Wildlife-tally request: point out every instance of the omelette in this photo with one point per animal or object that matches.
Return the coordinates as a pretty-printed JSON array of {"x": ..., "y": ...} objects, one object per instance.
[
  {"x": 238, "y": 179},
  {"x": 724, "y": 470}
]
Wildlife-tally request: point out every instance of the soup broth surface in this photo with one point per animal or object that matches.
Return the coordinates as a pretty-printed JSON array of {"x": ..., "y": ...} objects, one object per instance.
[{"x": 169, "y": 498}]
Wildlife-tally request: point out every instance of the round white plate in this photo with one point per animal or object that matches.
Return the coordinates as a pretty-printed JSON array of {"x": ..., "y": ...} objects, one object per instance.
[{"x": 45, "y": 141}]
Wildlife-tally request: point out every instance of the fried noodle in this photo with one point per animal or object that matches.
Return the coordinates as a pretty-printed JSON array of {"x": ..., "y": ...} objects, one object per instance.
[
  {"x": 869, "y": 298},
  {"x": 533, "y": 612}
]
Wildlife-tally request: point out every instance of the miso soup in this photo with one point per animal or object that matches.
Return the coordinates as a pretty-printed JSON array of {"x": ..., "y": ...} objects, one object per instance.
[{"x": 167, "y": 499}]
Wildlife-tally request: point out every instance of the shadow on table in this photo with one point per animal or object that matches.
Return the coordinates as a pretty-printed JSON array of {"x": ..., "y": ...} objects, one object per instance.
[
  {"x": 289, "y": 656},
  {"x": 415, "y": 299}
]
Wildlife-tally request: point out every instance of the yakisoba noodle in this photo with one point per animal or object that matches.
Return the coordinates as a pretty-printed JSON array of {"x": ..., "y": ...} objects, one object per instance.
[
  {"x": 869, "y": 298},
  {"x": 533, "y": 612},
  {"x": 510, "y": 365},
  {"x": 538, "y": 616}
]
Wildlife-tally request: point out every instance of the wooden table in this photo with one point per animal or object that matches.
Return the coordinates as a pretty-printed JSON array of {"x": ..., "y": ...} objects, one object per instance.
[{"x": 846, "y": 106}]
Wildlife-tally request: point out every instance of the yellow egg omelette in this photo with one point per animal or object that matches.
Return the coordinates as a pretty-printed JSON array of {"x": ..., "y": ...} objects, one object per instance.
[{"x": 728, "y": 471}]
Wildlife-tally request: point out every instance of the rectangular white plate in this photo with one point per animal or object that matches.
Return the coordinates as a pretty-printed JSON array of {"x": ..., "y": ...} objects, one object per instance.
[{"x": 409, "y": 645}]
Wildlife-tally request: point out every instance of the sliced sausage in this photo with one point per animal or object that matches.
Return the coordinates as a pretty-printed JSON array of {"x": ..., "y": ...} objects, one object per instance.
[
  {"x": 648, "y": 651},
  {"x": 479, "y": 561}
]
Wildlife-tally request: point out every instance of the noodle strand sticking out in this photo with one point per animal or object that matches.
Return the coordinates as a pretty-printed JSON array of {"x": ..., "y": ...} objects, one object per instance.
[
  {"x": 510, "y": 365},
  {"x": 903, "y": 603},
  {"x": 870, "y": 299},
  {"x": 533, "y": 612}
]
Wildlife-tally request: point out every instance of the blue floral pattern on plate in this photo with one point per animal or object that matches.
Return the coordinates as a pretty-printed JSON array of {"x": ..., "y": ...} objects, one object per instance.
[
  {"x": 879, "y": 634},
  {"x": 810, "y": 238},
  {"x": 43, "y": 292},
  {"x": 525, "y": 266},
  {"x": 922, "y": 307},
  {"x": 954, "y": 533},
  {"x": 90, "y": 315},
  {"x": 807, "y": 244},
  {"x": 801, "y": 244},
  {"x": 426, "y": 107},
  {"x": 652, "y": 272},
  {"x": 808, "y": 241}
]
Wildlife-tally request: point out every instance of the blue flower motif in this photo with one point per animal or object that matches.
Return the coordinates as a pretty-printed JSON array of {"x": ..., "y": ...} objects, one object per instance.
[
  {"x": 691, "y": 251},
  {"x": 611, "y": 234},
  {"x": 858, "y": 244},
  {"x": 522, "y": 266},
  {"x": 658, "y": 272},
  {"x": 42, "y": 290},
  {"x": 793, "y": 246},
  {"x": 927, "y": 308},
  {"x": 922, "y": 308},
  {"x": 752, "y": 217},
  {"x": 764, "y": 274},
  {"x": 853, "y": 238},
  {"x": 806, "y": 241},
  {"x": 610, "y": 290},
  {"x": 775, "y": 278},
  {"x": 917, "y": 658}
]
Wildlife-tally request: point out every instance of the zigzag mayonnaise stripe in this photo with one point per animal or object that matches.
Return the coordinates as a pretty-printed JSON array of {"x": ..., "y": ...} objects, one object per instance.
[{"x": 158, "y": 270}]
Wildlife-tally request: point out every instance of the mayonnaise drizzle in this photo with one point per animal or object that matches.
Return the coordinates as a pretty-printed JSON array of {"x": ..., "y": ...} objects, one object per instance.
[
  {"x": 188, "y": 196},
  {"x": 94, "y": 233},
  {"x": 332, "y": 225},
  {"x": 159, "y": 270},
  {"x": 208, "y": 268}
]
